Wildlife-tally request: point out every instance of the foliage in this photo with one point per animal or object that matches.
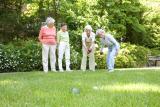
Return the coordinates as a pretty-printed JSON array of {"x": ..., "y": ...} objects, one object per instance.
[
  {"x": 129, "y": 56},
  {"x": 24, "y": 56},
  {"x": 155, "y": 52},
  {"x": 132, "y": 56},
  {"x": 75, "y": 59},
  {"x": 131, "y": 21}
]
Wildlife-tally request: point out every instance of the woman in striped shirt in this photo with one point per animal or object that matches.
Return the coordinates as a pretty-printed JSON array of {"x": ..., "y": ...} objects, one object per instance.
[{"x": 47, "y": 37}]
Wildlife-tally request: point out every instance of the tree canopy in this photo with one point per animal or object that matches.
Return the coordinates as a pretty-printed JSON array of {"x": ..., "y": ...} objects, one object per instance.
[{"x": 131, "y": 21}]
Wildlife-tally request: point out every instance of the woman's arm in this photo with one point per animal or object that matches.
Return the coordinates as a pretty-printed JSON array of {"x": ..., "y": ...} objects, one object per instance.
[
  {"x": 83, "y": 41},
  {"x": 55, "y": 34},
  {"x": 93, "y": 40},
  {"x": 102, "y": 46},
  {"x": 58, "y": 37},
  {"x": 40, "y": 37}
]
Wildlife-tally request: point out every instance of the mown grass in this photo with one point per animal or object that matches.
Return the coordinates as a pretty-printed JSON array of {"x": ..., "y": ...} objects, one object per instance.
[{"x": 140, "y": 88}]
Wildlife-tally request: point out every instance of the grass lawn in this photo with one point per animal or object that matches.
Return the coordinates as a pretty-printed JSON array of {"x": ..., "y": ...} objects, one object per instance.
[{"x": 137, "y": 88}]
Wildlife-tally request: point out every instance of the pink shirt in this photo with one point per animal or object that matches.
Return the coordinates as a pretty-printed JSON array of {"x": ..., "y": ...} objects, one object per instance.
[{"x": 47, "y": 35}]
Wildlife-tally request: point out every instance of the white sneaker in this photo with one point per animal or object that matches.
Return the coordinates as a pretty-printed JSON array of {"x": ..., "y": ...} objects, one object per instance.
[
  {"x": 61, "y": 70},
  {"x": 69, "y": 70},
  {"x": 45, "y": 71},
  {"x": 54, "y": 70},
  {"x": 83, "y": 70},
  {"x": 111, "y": 70}
]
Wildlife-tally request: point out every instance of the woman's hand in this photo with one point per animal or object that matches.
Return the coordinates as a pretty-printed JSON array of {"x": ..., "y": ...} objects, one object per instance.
[
  {"x": 101, "y": 53},
  {"x": 89, "y": 50}
]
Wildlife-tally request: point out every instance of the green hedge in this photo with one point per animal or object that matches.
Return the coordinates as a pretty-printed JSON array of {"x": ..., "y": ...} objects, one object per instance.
[
  {"x": 129, "y": 56},
  {"x": 26, "y": 56},
  {"x": 132, "y": 56}
]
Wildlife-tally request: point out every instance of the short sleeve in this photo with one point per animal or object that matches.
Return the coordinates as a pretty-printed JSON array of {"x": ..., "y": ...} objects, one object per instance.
[
  {"x": 83, "y": 36},
  {"x": 41, "y": 34},
  {"x": 93, "y": 37},
  {"x": 58, "y": 36}
]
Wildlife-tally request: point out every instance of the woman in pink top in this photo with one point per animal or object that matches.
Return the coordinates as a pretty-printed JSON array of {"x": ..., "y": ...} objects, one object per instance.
[{"x": 47, "y": 37}]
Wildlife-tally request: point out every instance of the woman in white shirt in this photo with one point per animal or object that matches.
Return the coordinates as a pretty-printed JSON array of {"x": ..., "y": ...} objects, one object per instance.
[{"x": 88, "y": 48}]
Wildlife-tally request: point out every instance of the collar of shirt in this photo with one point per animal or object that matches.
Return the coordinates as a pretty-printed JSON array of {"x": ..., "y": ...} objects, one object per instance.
[
  {"x": 63, "y": 32},
  {"x": 91, "y": 35}
]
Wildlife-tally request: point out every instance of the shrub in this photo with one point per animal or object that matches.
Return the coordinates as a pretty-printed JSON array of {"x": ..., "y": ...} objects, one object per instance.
[
  {"x": 75, "y": 59},
  {"x": 155, "y": 52},
  {"x": 100, "y": 60},
  {"x": 24, "y": 57},
  {"x": 129, "y": 56},
  {"x": 132, "y": 56}
]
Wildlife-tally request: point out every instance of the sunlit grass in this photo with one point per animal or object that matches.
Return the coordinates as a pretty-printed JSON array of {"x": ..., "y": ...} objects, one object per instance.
[
  {"x": 6, "y": 82},
  {"x": 132, "y": 88},
  {"x": 138, "y": 87}
]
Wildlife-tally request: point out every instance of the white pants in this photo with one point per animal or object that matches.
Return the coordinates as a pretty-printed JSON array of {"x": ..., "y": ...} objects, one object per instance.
[
  {"x": 91, "y": 60},
  {"x": 64, "y": 47},
  {"x": 48, "y": 50}
]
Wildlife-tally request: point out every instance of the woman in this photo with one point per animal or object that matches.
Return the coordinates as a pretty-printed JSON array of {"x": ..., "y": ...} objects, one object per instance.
[
  {"x": 64, "y": 47},
  {"x": 113, "y": 47},
  {"x": 47, "y": 37},
  {"x": 88, "y": 48}
]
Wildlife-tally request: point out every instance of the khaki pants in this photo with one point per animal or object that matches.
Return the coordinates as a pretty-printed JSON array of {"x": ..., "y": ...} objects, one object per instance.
[
  {"x": 64, "y": 47},
  {"x": 91, "y": 60},
  {"x": 48, "y": 50}
]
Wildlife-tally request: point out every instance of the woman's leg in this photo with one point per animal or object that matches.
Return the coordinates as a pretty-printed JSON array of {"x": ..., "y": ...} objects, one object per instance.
[
  {"x": 61, "y": 50},
  {"x": 92, "y": 61},
  {"x": 113, "y": 53},
  {"x": 84, "y": 59},
  {"x": 45, "y": 50},
  {"x": 53, "y": 57},
  {"x": 67, "y": 56},
  {"x": 111, "y": 58}
]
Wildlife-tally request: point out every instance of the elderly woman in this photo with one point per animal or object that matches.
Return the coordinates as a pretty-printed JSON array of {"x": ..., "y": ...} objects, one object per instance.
[
  {"x": 88, "y": 48},
  {"x": 47, "y": 37},
  {"x": 64, "y": 47},
  {"x": 113, "y": 47}
]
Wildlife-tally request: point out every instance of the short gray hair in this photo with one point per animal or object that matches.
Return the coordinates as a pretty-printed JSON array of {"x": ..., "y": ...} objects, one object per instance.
[
  {"x": 99, "y": 30},
  {"x": 88, "y": 27},
  {"x": 49, "y": 20}
]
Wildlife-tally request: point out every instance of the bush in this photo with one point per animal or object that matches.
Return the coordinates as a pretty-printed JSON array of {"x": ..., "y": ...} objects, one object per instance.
[
  {"x": 132, "y": 56},
  {"x": 26, "y": 56},
  {"x": 155, "y": 52},
  {"x": 23, "y": 57},
  {"x": 75, "y": 59},
  {"x": 100, "y": 60},
  {"x": 129, "y": 56}
]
